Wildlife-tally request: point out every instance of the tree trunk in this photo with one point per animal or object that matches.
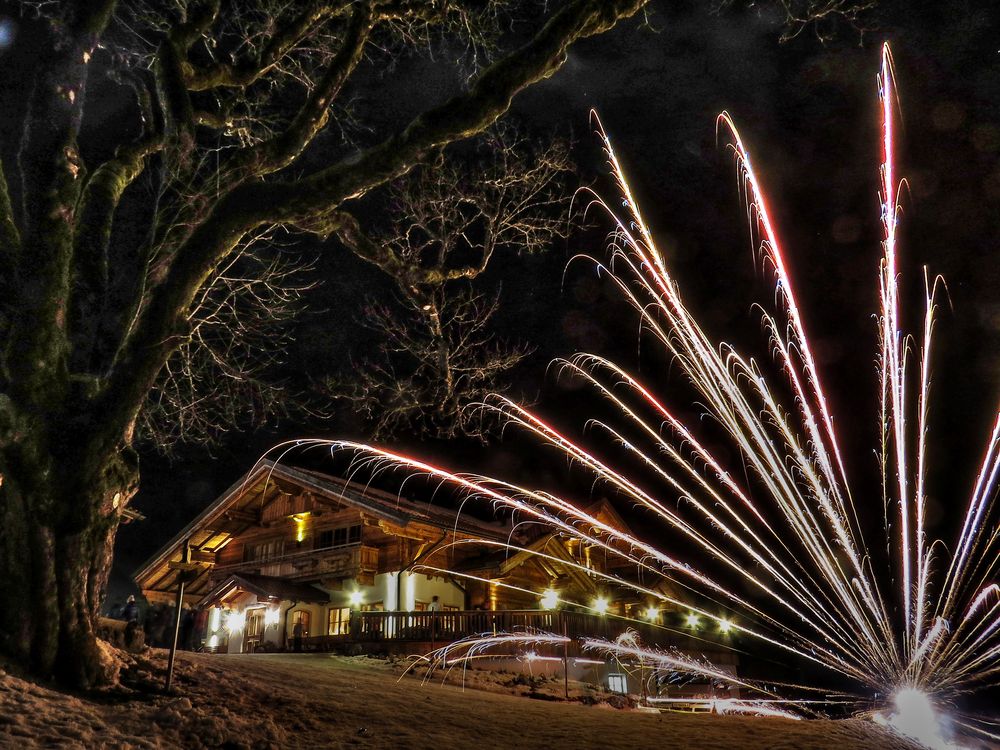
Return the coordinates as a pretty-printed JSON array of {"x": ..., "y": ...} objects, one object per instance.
[{"x": 59, "y": 524}]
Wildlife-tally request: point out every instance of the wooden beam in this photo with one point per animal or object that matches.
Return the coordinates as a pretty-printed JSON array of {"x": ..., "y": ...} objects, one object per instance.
[
  {"x": 203, "y": 556},
  {"x": 244, "y": 516}
]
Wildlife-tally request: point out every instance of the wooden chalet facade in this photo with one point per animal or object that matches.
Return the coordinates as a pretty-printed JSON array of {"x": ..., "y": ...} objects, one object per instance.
[{"x": 286, "y": 551}]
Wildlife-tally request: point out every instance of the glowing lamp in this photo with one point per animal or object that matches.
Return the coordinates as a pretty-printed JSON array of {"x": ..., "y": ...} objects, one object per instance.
[
  {"x": 235, "y": 621},
  {"x": 356, "y": 598},
  {"x": 652, "y": 613},
  {"x": 271, "y": 616},
  {"x": 725, "y": 625},
  {"x": 300, "y": 526},
  {"x": 550, "y": 599},
  {"x": 692, "y": 620},
  {"x": 601, "y": 605}
]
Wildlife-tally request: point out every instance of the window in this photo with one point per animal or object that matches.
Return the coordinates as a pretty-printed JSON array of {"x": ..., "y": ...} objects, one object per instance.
[
  {"x": 301, "y": 617},
  {"x": 373, "y": 607},
  {"x": 339, "y": 621},
  {"x": 419, "y": 606},
  {"x": 450, "y": 608},
  {"x": 617, "y": 683},
  {"x": 263, "y": 550},
  {"x": 339, "y": 537}
]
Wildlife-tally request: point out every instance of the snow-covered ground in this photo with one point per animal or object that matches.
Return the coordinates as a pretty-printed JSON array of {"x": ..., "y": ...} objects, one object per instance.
[{"x": 291, "y": 701}]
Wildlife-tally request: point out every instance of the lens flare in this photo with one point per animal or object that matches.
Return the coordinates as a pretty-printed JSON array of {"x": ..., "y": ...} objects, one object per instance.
[{"x": 916, "y": 718}]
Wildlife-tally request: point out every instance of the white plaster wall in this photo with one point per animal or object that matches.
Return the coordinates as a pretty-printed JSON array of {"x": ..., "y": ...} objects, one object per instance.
[{"x": 425, "y": 587}]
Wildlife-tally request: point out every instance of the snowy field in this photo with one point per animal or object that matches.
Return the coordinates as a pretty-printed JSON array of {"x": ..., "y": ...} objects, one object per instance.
[{"x": 316, "y": 701}]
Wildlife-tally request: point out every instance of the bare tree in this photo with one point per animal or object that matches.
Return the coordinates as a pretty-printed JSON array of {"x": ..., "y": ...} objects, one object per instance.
[
  {"x": 227, "y": 372},
  {"x": 241, "y": 122},
  {"x": 438, "y": 357},
  {"x": 824, "y": 17},
  {"x": 448, "y": 220}
]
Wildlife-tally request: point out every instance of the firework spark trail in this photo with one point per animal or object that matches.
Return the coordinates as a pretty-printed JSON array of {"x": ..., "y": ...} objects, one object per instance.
[
  {"x": 792, "y": 530},
  {"x": 627, "y": 646},
  {"x": 712, "y": 376},
  {"x": 733, "y": 706},
  {"x": 532, "y": 503},
  {"x": 893, "y": 355},
  {"x": 468, "y": 649},
  {"x": 653, "y": 663},
  {"x": 786, "y": 577},
  {"x": 527, "y": 420}
]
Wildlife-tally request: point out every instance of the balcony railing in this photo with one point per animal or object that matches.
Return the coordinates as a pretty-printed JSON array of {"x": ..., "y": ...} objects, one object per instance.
[{"x": 446, "y": 627}]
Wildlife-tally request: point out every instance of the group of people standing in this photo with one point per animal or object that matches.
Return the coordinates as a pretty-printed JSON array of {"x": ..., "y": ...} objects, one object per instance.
[{"x": 158, "y": 624}]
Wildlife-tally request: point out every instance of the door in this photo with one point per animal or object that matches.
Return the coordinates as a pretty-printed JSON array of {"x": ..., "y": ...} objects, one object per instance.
[{"x": 254, "y": 630}]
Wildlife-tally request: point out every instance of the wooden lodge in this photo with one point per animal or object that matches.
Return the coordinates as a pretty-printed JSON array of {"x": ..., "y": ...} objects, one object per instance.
[{"x": 286, "y": 551}]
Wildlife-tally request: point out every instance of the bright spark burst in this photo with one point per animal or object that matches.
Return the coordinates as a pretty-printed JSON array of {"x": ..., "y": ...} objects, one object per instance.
[{"x": 789, "y": 534}]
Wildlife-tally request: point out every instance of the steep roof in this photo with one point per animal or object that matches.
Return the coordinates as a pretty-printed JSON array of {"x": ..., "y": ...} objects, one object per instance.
[{"x": 234, "y": 511}]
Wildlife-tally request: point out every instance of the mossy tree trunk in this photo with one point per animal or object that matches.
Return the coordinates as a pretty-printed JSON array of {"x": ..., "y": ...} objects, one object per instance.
[
  {"x": 82, "y": 341},
  {"x": 59, "y": 523}
]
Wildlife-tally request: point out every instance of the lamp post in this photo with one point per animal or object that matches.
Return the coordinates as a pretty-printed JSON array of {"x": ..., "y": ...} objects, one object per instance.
[{"x": 185, "y": 568}]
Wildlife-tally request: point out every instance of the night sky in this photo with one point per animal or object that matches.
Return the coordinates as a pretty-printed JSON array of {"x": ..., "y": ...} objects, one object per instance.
[{"x": 809, "y": 113}]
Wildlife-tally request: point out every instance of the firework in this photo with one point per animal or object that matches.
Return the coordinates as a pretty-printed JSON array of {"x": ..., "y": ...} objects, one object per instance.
[{"x": 789, "y": 533}]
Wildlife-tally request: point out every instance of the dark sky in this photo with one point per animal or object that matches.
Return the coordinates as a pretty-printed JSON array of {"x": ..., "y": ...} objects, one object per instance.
[{"x": 809, "y": 112}]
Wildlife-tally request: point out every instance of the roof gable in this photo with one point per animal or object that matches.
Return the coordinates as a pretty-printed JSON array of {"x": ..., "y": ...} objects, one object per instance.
[{"x": 243, "y": 504}]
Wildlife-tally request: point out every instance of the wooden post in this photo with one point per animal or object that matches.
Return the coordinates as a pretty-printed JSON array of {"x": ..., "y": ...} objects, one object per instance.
[
  {"x": 642, "y": 678},
  {"x": 562, "y": 616},
  {"x": 183, "y": 568}
]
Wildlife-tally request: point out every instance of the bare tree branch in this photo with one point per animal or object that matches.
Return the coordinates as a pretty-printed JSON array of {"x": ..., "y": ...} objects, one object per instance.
[
  {"x": 437, "y": 358},
  {"x": 313, "y": 202},
  {"x": 823, "y": 17},
  {"x": 437, "y": 353},
  {"x": 225, "y": 373},
  {"x": 249, "y": 70}
]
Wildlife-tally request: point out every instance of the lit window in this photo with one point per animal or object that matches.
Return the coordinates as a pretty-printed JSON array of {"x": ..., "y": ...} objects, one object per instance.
[
  {"x": 617, "y": 683},
  {"x": 339, "y": 621}
]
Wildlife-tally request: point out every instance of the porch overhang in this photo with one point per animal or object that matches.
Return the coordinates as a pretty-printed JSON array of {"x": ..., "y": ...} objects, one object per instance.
[{"x": 265, "y": 588}]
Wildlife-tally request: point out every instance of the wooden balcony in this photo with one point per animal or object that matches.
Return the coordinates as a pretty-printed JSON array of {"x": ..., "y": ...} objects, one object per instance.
[{"x": 346, "y": 561}]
